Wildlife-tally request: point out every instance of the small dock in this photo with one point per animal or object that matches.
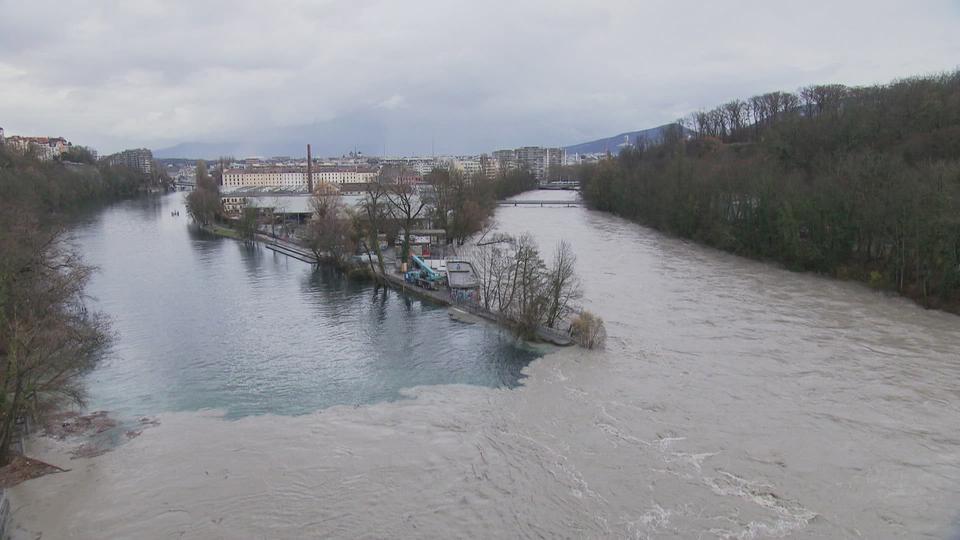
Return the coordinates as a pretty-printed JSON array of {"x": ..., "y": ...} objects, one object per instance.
[{"x": 290, "y": 250}]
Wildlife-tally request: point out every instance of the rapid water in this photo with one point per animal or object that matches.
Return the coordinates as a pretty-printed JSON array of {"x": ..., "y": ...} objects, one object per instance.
[{"x": 734, "y": 400}]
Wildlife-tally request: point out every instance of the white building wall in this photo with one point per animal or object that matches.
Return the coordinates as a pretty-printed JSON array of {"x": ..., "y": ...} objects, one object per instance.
[{"x": 293, "y": 179}]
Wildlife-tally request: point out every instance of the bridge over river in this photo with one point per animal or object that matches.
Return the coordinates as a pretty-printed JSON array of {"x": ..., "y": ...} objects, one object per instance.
[
  {"x": 541, "y": 202},
  {"x": 565, "y": 185}
]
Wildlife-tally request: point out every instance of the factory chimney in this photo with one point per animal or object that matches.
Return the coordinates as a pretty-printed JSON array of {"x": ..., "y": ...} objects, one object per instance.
[{"x": 309, "y": 171}]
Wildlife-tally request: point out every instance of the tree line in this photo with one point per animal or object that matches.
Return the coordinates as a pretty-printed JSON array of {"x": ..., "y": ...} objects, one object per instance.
[
  {"x": 515, "y": 281},
  {"x": 518, "y": 284},
  {"x": 448, "y": 200},
  {"x": 860, "y": 183},
  {"x": 48, "y": 336},
  {"x": 57, "y": 187},
  {"x": 203, "y": 204}
]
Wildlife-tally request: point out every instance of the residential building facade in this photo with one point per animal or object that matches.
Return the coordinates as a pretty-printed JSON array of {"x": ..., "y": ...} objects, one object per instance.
[
  {"x": 539, "y": 161},
  {"x": 296, "y": 177},
  {"x": 138, "y": 159},
  {"x": 506, "y": 160},
  {"x": 45, "y": 148}
]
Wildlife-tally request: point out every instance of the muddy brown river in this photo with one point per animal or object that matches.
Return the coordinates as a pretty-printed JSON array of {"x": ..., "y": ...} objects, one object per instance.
[{"x": 734, "y": 400}]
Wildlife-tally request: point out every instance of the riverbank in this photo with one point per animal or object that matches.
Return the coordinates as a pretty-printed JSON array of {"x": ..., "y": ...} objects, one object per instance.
[
  {"x": 441, "y": 297},
  {"x": 734, "y": 400},
  {"x": 862, "y": 275},
  {"x": 220, "y": 230},
  {"x": 857, "y": 188}
]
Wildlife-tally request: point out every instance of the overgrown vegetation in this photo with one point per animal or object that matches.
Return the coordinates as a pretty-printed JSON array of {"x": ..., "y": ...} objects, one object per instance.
[
  {"x": 247, "y": 224},
  {"x": 517, "y": 283},
  {"x": 588, "y": 331},
  {"x": 392, "y": 209},
  {"x": 56, "y": 187},
  {"x": 78, "y": 154},
  {"x": 48, "y": 337},
  {"x": 859, "y": 183},
  {"x": 331, "y": 234},
  {"x": 203, "y": 203},
  {"x": 462, "y": 205}
]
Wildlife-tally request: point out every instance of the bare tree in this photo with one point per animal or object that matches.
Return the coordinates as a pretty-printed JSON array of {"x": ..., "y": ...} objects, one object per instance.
[
  {"x": 490, "y": 257},
  {"x": 736, "y": 114},
  {"x": 374, "y": 209},
  {"x": 47, "y": 336},
  {"x": 203, "y": 203},
  {"x": 247, "y": 224},
  {"x": 758, "y": 109},
  {"x": 528, "y": 288},
  {"x": 406, "y": 207},
  {"x": 563, "y": 285},
  {"x": 516, "y": 283},
  {"x": 441, "y": 195},
  {"x": 330, "y": 232}
]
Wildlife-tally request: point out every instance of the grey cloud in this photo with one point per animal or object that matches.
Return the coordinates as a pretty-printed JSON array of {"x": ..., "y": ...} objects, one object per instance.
[{"x": 468, "y": 76}]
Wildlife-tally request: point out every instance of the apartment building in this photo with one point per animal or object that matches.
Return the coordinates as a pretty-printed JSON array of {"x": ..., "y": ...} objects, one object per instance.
[
  {"x": 45, "y": 148},
  {"x": 138, "y": 159},
  {"x": 531, "y": 158},
  {"x": 553, "y": 159},
  {"x": 535, "y": 159},
  {"x": 506, "y": 160},
  {"x": 488, "y": 167},
  {"x": 344, "y": 175},
  {"x": 469, "y": 167},
  {"x": 264, "y": 177}
]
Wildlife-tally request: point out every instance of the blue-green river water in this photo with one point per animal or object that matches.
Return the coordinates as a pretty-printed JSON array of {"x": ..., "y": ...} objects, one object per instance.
[
  {"x": 204, "y": 322},
  {"x": 734, "y": 400}
]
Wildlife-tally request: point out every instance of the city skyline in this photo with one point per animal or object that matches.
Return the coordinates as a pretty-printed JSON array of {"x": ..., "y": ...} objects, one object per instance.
[{"x": 444, "y": 78}]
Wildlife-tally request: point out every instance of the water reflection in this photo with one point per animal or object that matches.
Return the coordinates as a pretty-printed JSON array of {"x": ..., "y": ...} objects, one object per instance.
[{"x": 207, "y": 322}]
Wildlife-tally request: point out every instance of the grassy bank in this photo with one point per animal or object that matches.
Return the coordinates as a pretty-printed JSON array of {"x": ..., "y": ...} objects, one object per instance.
[{"x": 221, "y": 230}]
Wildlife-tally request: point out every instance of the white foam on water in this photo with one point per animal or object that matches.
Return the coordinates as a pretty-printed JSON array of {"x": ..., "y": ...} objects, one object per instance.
[{"x": 735, "y": 400}]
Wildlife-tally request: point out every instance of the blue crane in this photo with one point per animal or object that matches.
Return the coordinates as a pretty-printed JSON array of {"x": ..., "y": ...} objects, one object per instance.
[{"x": 425, "y": 277}]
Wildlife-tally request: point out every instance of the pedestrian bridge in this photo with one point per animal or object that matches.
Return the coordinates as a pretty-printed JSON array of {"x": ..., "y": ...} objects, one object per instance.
[
  {"x": 542, "y": 203},
  {"x": 566, "y": 185}
]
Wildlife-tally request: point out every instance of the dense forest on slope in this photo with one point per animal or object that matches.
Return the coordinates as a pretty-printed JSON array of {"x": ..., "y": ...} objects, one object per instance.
[{"x": 860, "y": 183}]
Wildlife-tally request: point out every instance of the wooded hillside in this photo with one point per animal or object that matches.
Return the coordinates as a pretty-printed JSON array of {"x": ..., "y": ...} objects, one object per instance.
[{"x": 860, "y": 183}]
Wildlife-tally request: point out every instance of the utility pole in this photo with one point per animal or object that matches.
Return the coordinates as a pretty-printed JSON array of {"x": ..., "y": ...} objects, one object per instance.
[{"x": 309, "y": 171}]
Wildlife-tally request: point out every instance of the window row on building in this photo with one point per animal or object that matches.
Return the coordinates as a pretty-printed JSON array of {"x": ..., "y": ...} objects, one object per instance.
[
  {"x": 295, "y": 178},
  {"x": 539, "y": 161}
]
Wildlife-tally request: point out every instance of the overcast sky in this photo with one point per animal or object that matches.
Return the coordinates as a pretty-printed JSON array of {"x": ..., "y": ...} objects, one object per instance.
[{"x": 400, "y": 75}]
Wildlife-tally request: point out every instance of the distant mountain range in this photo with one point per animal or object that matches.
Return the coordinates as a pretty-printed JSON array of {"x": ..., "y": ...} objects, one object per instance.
[
  {"x": 328, "y": 138},
  {"x": 617, "y": 142},
  {"x": 370, "y": 133}
]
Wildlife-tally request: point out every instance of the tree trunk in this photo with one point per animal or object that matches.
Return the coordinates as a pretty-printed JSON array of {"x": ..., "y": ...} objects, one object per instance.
[{"x": 6, "y": 435}]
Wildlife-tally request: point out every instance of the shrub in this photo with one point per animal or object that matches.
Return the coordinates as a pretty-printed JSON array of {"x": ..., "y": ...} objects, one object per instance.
[{"x": 588, "y": 331}]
